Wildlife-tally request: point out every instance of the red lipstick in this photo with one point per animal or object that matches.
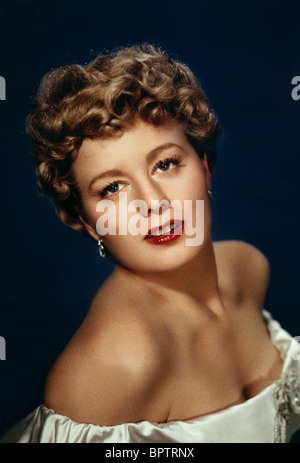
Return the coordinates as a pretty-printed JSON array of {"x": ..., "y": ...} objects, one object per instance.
[{"x": 174, "y": 229}]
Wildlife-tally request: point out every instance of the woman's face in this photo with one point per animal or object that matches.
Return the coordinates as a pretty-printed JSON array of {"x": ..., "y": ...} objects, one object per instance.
[{"x": 145, "y": 165}]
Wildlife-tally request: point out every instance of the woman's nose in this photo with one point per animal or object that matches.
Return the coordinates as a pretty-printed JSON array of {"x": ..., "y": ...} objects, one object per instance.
[{"x": 154, "y": 197}]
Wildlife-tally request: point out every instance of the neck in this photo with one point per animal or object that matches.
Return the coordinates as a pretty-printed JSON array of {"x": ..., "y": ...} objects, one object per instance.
[{"x": 195, "y": 282}]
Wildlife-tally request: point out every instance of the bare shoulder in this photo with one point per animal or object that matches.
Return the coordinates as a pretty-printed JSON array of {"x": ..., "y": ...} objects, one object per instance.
[
  {"x": 241, "y": 252},
  {"x": 107, "y": 373},
  {"x": 243, "y": 267}
]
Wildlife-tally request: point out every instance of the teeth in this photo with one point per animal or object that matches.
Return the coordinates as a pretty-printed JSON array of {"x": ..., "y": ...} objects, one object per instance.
[{"x": 164, "y": 231}]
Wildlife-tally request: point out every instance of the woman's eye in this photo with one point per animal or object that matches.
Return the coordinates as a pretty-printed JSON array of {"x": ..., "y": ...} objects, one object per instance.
[
  {"x": 166, "y": 165},
  {"x": 112, "y": 189}
]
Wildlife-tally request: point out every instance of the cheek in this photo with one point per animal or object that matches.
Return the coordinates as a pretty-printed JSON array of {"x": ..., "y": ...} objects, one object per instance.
[
  {"x": 101, "y": 216},
  {"x": 192, "y": 185}
]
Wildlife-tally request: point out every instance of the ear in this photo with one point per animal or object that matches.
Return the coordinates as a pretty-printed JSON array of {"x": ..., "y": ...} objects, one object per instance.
[
  {"x": 207, "y": 172},
  {"x": 89, "y": 228}
]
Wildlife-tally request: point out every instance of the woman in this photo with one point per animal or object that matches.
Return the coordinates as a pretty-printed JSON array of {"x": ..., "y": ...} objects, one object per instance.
[{"x": 175, "y": 346}]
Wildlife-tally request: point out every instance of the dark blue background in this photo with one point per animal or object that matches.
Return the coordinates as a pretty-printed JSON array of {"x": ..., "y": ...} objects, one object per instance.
[{"x": 245, "y": 54}]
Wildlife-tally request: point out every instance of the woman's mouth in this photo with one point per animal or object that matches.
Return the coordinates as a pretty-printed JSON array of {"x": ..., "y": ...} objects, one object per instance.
[{"x": 165, "y": 233}]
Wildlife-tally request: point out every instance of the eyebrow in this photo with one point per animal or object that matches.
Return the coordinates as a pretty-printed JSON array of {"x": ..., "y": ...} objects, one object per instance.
[{"x": 149, "y": 158}]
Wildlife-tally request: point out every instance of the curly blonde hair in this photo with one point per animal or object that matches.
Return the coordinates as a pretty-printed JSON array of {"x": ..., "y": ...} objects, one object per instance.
[{"x": 75, "y": 102}]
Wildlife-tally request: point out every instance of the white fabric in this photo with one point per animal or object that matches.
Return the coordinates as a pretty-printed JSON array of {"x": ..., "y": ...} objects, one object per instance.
[{"x": 261, "y": 419}]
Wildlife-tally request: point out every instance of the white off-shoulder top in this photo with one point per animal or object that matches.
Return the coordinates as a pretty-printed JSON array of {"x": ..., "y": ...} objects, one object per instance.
[{"x": 271, "y": 416}]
